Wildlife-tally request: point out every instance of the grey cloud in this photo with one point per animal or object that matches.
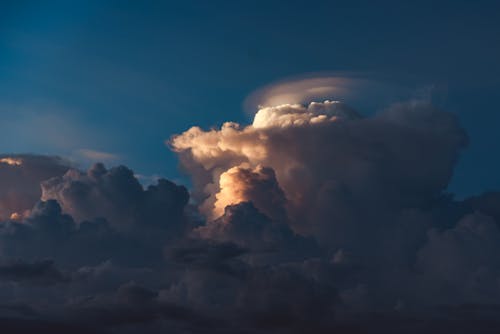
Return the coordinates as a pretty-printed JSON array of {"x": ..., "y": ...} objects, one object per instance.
[
  {"x": 365, "y": 207},
  {"x": 221, "y": 257},
  {"x": 117, "y": 196},
  {"x": 487, "y": 203},
  {"x": 20, "y": 180},
  {"x": 39, "y": 272},
  {"x": 461, "y": 263},
  {"x": 269, "y": 240},
  {"x": 105, "y": 215},
  {"x": 318, "y": 220}
]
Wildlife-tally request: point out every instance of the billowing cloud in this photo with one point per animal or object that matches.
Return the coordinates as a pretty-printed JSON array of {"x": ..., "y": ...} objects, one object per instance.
[
  {"x": 117, "y": 196},
  {"x": 290, "y": 115},
  {"x": 240, "y": 184},
  {"x": 359, "y": 202},
  {"x": 327, "y": 153},
  {"x": 20, "y": 178},
  {"x": 314, "y": 218},
  {"x": 245, "y": 226}
]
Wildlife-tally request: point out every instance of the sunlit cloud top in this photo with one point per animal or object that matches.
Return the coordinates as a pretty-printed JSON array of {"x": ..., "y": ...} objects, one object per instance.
[
  {"x": 11, "y": 161},
  {"x": 304, "y": 89},
  {"x": 367, "y": 91},
  {"x": 286, "y": 115}
]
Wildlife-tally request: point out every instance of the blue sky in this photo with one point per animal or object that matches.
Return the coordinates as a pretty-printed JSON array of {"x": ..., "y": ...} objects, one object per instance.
[{"x": 123, "y": 76}]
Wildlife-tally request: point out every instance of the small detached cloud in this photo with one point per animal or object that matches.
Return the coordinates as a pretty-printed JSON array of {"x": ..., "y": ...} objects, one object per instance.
[{"x": 97, "y": 156}]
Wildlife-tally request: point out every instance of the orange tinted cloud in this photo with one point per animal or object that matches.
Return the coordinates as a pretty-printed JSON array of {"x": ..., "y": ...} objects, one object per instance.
[
  {"x": 20, "y": 178},
  {"x": 227, "y": 152},
  {"x": 11, "y": 161}
]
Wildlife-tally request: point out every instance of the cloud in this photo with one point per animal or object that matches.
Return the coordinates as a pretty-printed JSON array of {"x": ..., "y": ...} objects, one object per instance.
[
  {"x": 255, "y": 297},
  {"x": 210, "y": 255},
  {"x": 46, "y": 127},
  {"x": 89, "y": 218},
  {"x": 96, "y": 156},
  {"x": 70, "y": 270},
  {"x": 39, "y": 272},
  {"x": 11, "y": 161},
  {"x": 304, "y": 90},
  {"x": 288, "y": 115},
  {"x": 358, "y": 89},
  {"x": 240, "y": 184},
  {"x": 117, "y": 196},
  {"x": 20, "y": 178},
  {"x": 269, "y": 240},
  {"x": 135, "y": 308},
  {"x": 460, "y": 263},
  {"x": 357, "y": 202},
  {"x": 314, "y": 218},
  {"x": 402, "y": 157}
]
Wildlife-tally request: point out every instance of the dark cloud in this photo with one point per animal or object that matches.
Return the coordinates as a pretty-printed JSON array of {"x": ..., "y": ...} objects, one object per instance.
[
  {"x": 40, "y": 272},
  {"x": 313, "y": 219},
  {"x": 288, "y": 298},
  {"x": 49, "y": 233},
  {"x": 368, "y": 192},
  {"x": 269, "y": 240},
  {"x": 90, "y": 258},
  {"x": 135, "y": 307},
  {"x": 222, "y": 257},
  {"x": 117, "y": 196},
  {"x": 20, "y": 177},
  {"x": 487, "y": 203},
  {"x": 281, "y": 297},
  {"x": 22, "y": 326},
  {"x": 460, "y": 264}
]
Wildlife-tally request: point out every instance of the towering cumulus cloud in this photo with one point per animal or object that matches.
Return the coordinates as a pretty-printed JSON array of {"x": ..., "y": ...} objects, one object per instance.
[
  {"x": 354, "y": 208},
  {"x": 325, "y": 159},
  {"x": 358, "y": 203}
]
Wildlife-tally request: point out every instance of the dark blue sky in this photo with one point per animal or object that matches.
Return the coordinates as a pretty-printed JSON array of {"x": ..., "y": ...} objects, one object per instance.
[{"x": 123, "y": 76}]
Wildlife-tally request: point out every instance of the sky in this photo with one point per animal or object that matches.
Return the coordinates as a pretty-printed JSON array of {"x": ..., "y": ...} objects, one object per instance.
[
  {"x": 122, "y": 77},
  {"x": 260, "y": 167}
]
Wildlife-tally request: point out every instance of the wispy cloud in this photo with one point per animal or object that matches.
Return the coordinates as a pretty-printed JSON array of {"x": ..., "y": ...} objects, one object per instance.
[
  {"x": 42, "y": 126},
  {"x": 97, "y": 156},
  {"x": 358, "y": 89}
]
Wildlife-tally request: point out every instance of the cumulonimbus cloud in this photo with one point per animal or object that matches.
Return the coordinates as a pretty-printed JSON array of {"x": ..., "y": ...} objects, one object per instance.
[
  {"x": 369, "y": 192},
  {"x": 322, "y": 149}
]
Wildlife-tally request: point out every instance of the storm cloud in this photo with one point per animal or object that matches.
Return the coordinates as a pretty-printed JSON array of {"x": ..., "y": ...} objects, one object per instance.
[
  {"x": 369, "y": 192},
  {"x": 312, "y": 218},
  {"x": 325, "y": 156}
]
